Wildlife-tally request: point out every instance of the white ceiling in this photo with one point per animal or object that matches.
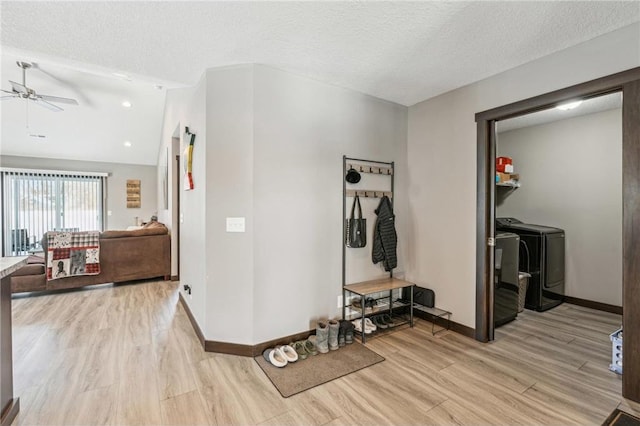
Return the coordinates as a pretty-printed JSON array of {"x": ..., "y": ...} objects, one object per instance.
[
  {"x": 95, "y": 130},
  {"x": 404, "y": 52}
]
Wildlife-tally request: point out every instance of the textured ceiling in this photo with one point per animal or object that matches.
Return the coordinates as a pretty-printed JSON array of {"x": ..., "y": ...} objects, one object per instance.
[{"x": 403, "y": 52}]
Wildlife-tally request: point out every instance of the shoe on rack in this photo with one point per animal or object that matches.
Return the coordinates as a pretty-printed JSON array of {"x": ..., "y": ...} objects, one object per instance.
[
  {"x": 289, "y": 353},
  {"x": 386, "y": 318},
  {"x": 368, "y": 324},
  {"x": 370, "y": 302},
  {"x": 277, "y": 358},
  {"x": 377, "y": 320},
  {"x": 356, "y": 302}
]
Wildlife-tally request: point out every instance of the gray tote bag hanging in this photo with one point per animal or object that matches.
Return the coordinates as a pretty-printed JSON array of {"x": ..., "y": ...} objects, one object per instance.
[{"x": 356, "y": 227}]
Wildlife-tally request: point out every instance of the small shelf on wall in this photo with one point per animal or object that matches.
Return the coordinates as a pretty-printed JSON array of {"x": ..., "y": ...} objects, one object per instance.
[{"x": 512, "y": 185}]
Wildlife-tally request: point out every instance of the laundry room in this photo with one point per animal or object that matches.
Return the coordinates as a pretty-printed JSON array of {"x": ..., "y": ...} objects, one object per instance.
[{"x": 559, "y": 209}]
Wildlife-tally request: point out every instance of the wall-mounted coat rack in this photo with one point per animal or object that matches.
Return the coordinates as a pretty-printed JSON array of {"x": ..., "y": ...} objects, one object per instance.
[
  {"x": 368, "y": 193},
  {"x": 383, "y": 168},
  {"x": 365, "y": 168}
]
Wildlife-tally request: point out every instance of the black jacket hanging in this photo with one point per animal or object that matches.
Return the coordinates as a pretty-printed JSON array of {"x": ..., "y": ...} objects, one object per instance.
[{"x": 385, "y": 239}]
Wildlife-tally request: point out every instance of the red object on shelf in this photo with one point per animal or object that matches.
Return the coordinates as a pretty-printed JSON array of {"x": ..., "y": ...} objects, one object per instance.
[{"x": 501, "y": 162}]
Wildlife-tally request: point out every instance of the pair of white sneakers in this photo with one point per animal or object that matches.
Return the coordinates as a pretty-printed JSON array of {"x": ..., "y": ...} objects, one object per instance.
[
  {"x": 280, "y": 356},
  {"x": 369, "y": 326}
]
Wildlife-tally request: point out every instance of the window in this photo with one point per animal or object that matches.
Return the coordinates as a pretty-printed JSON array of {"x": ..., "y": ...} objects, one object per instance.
[{"x": 34, "y": 202}]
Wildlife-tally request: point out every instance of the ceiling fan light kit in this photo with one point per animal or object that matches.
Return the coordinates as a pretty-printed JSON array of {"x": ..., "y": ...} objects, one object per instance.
[{"x": 21, "y": 91}]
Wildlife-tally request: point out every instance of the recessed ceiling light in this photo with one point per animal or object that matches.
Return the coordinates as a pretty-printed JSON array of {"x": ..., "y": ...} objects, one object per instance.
[
  {"x": 569, "y": 105},
  {"x": 127, "y": 144},
  {"x": 126, "y": 104}
]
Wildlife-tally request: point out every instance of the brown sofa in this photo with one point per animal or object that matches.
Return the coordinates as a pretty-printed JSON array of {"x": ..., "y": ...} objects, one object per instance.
[{"x": 124, "y": 256}]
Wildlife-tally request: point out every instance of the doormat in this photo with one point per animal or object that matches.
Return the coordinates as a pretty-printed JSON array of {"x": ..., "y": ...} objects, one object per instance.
[
  {"x": 315, "y": 370},
  {"x": 621, "y": 418}
]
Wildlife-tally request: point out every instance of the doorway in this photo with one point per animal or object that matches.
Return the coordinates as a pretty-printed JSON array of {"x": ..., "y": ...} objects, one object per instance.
[
  {"x": 175, "y": 203},
  {"x": 628, "y": 83},
  {"x": 558, "y": 210}
]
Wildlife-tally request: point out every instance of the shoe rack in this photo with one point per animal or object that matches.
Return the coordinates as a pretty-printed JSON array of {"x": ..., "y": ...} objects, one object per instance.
[
  {"x": 385, "y": 286},
  {"x": 367, "y": 288}
]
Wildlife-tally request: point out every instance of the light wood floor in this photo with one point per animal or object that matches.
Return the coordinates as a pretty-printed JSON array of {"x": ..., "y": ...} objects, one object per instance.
[{"x": 128, "y": 355}]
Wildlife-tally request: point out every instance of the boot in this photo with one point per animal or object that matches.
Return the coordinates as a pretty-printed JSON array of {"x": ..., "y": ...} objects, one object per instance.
[
  {"x": 348, "y": 332},
  {"x": 334, "y": 327},
  {"x": 341, "y": 332},
  {"x": 322, "y": 337}
]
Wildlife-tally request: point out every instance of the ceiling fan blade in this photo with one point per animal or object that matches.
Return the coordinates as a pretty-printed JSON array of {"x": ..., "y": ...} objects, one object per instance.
[
  {"x": 47, "y": 105},
  {"x": 8, "y": 91},
  {"x": 58, "y": 99},
  {"x": 7, "y": 97},
  {"x": 19, "y": 88}
]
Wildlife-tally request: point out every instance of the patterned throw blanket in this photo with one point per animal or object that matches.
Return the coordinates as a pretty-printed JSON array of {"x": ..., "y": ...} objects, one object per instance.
[{"x": 72, "y": 253}]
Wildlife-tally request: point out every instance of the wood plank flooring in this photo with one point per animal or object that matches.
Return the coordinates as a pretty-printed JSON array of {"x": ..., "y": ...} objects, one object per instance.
[{"x": 128, "y": 355}]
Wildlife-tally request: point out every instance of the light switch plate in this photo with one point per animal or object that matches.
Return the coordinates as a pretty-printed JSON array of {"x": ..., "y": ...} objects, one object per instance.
[{"x": 235, "y": 224}]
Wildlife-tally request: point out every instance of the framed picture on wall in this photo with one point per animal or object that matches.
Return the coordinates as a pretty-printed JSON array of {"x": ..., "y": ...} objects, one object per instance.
[
  {"x": 133, "y": 194},
  {"x": 188, "y": 162}
]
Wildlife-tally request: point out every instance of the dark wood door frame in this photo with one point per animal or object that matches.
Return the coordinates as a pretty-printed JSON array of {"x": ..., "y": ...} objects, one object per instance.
[
  {"x": 628, "y": 83},
  {"x": 176, "y": 211}
]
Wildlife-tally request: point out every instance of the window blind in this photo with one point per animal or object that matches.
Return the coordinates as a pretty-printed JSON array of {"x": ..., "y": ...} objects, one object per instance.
[{"x": 34, "y": 202}]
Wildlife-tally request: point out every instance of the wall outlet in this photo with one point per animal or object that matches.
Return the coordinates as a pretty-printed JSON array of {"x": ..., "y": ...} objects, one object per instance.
[
  {"x": 340, "y": 301},
  {"x": 235, "y": 224}
]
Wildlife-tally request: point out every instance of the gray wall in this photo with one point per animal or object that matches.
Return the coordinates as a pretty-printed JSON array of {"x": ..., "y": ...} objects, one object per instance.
[
  {"x": 302, "y": 129},
  {"x": 572, "y": 179},
  {"x": 187, "y": 108},
  {"x": 229, "y": 181},
  {"x": 442, "y": 160},
  {"x": 121, "y": 216},
  {"x": 269, "y": 148}
]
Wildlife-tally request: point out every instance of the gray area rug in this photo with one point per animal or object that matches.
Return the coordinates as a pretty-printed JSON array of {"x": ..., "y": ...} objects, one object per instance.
[{"x": 316, "y": 370}]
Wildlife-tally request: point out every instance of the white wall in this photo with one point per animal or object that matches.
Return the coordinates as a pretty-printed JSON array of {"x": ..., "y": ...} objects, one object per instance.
[
  {"x": 121, "y": 216},
  {"x": 274, "y": 145},
  {"x": 571, "y": 174},
  {"x": 442, "y": 160}
]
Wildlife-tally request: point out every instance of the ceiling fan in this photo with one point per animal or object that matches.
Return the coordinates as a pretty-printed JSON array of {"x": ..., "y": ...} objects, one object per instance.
[{"x": 21, "y": 91}]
